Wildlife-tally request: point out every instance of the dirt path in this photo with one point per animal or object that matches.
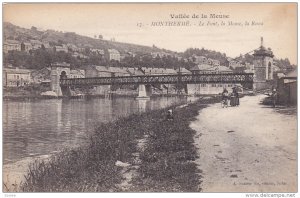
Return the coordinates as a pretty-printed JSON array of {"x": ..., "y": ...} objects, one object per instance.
[{"x": 251, "y": 148}]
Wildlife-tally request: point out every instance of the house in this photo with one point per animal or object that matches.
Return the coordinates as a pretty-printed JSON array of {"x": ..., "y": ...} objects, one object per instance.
[
  {"x": 134, "y": 71},
  {"x": 160, "y": 88},
  {"x": 209, "y": 88},
  {"x": 105, "y": 71},
  {"x": 199, "y": 59},
  {"x": 11, "y": 45},
  {"x": 46, "y": 45},
  {"x": 62, "y": 48},
  {"x": 158, "y": 71},
  {"x": 215, "y": 62},
  {"x": 72, "y": 47},
  {"x": 97, "y": 51},
  {"x": 26, "y": 47},
  {"x": 221, "y": 69},
  {"x": 119, "y": 71},
  {"x": 16, "y": 77},
  {"x": 77, "y": 73},
  {"x": 114, "y": 54},
  {"x": 233, "y": 64},
  {"x": 201, "y": 68},
  {"x": 183, "y": 71},
  {"x": 36, "y": 44},
  {"x": 79, "y": 55},
  {"x": 287, "y": 88}
]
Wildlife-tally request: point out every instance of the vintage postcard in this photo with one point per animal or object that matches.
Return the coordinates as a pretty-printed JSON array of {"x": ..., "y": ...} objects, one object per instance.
[{"x": 150, "y": 97}]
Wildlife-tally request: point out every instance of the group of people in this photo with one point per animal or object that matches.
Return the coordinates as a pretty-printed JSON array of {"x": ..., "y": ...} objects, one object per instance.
[{"x": 232, "y": 98}]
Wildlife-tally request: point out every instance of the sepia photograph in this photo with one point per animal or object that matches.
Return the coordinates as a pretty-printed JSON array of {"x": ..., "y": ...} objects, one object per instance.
[{"x": 150, "y": 98}]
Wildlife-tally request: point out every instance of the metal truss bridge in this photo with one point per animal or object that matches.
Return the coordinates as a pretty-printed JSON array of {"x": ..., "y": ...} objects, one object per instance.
[{"x": 242, "y": 78}]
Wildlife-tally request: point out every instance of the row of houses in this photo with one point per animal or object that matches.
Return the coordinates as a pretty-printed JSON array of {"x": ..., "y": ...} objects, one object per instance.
[
  {"x": 204, "y": 60},
  {"x": 15, "y": 77},
  {"x": 111, "y": 54},
  {"x": 18, "y": 77}
]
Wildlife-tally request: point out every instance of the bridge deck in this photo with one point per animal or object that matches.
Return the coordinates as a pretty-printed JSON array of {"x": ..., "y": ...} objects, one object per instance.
[{"x": 162, "y": 79}]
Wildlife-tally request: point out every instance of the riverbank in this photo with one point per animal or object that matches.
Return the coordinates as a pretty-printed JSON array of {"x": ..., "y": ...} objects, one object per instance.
[{"x": 160, "y": 152}]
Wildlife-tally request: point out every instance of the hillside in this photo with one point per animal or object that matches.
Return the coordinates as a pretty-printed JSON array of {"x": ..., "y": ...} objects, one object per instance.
[
  {"x": 42, "y": 58},
  {"x": 14, "y": 32}
]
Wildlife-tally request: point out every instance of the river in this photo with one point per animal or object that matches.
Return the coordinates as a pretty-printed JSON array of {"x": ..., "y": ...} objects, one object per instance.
[{"x": 42, "y": 127}]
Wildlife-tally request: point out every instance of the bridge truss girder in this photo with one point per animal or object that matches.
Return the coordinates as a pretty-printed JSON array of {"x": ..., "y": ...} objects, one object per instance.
[{"x": 242, "y": 78}]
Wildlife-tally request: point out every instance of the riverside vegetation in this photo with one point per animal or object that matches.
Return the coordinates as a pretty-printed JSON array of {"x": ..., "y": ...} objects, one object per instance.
[{"x": 166, "y": 161}]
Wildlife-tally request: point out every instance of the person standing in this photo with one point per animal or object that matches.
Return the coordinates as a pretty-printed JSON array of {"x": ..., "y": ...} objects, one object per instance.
[
  {"x": 236, "y": 95},
  {"x": 225, "y": 98},
  {"x": 274, "y": 97}
]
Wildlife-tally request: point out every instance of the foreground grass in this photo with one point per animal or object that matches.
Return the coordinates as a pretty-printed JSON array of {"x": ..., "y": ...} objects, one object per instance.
[{"x": 166, "y": 160}]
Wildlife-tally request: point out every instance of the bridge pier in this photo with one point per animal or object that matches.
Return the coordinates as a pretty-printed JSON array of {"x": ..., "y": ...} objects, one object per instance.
[
  {"x": 58, "y": 71},
  {"x": 144, "y": 91}
]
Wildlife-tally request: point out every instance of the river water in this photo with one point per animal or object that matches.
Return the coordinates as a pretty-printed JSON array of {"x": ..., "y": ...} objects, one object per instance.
[{"x": 42, "y": 127}]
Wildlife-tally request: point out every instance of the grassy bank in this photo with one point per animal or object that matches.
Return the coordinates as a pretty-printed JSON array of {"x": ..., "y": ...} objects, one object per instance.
[{"x": 166, "y": 161}]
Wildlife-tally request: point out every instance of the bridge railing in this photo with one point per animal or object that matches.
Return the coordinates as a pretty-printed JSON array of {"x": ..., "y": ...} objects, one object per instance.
[{"x": 162, "y": 79}]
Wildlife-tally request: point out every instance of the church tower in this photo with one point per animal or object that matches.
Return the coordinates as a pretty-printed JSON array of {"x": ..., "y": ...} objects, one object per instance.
[{"x": 263, "y": 66}]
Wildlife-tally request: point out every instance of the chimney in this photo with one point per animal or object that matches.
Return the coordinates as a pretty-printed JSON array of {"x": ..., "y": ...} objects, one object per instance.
[{"x": 261, "y": 41}]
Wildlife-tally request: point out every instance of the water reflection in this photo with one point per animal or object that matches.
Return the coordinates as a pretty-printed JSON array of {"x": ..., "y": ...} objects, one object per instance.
[{"x": 40, "y": 127}]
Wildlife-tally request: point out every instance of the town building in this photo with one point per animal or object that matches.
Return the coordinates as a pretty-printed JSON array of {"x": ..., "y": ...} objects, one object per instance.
[
  {"x": 183, "y": 71},
  {"x": 36, "y": 44},
  {"x": 209, "y": 88},
  {"x": 46, "y": 45},
  {"x": 200, "y": 59},
  {"x": 79, "y": 55},
  {"x": 133, "y": 71},
  {"x": 16, "y": 77},
  {"x": 62, "y": 48},
  {"x": 104, "y": 71},
  {"x": 97, "y": 51},
  {"x": 11, "y": 45},
  {"x": 159, "y": 54},
  {"x": 234, "y": 64},
  {"x": 263, "y": 67},
  {"x": 71, "y": 47},
  {"x": 158, "y": 71},
  {"x": 77, "y": 73},
  {"x": 215, "y": 62},
  {"x": 26, "y": 47},
  {"x": 114, "y": 54},
  {"x": 287, "y": 88}
]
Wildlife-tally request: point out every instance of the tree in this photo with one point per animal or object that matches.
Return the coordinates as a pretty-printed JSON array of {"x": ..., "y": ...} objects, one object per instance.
[{"x": 33, "y": 28}]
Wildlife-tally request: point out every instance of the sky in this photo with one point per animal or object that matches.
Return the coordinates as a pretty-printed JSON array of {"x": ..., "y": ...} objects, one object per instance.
[{"x": 133, "y": 23}]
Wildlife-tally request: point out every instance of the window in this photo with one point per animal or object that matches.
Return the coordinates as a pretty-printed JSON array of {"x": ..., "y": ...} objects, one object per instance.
[
  {"x": 214, "y": 85},
  {"x": 203, "y": 85},
  {"x": 220, "y": 85}
]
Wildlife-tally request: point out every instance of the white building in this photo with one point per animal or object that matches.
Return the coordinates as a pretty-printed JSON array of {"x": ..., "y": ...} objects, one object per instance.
[
  {"x": 62, "y": 48},
  {"x": 77, "y": 73},
  {"x": 209, "y": 88},
  {"x": 16, "y": 77},
  {"x": 114, "y": 54},
  {"x": 36, "y": 44},
  {"x": 158, "y": 71},
  {"x": 11, "y": 45}
]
